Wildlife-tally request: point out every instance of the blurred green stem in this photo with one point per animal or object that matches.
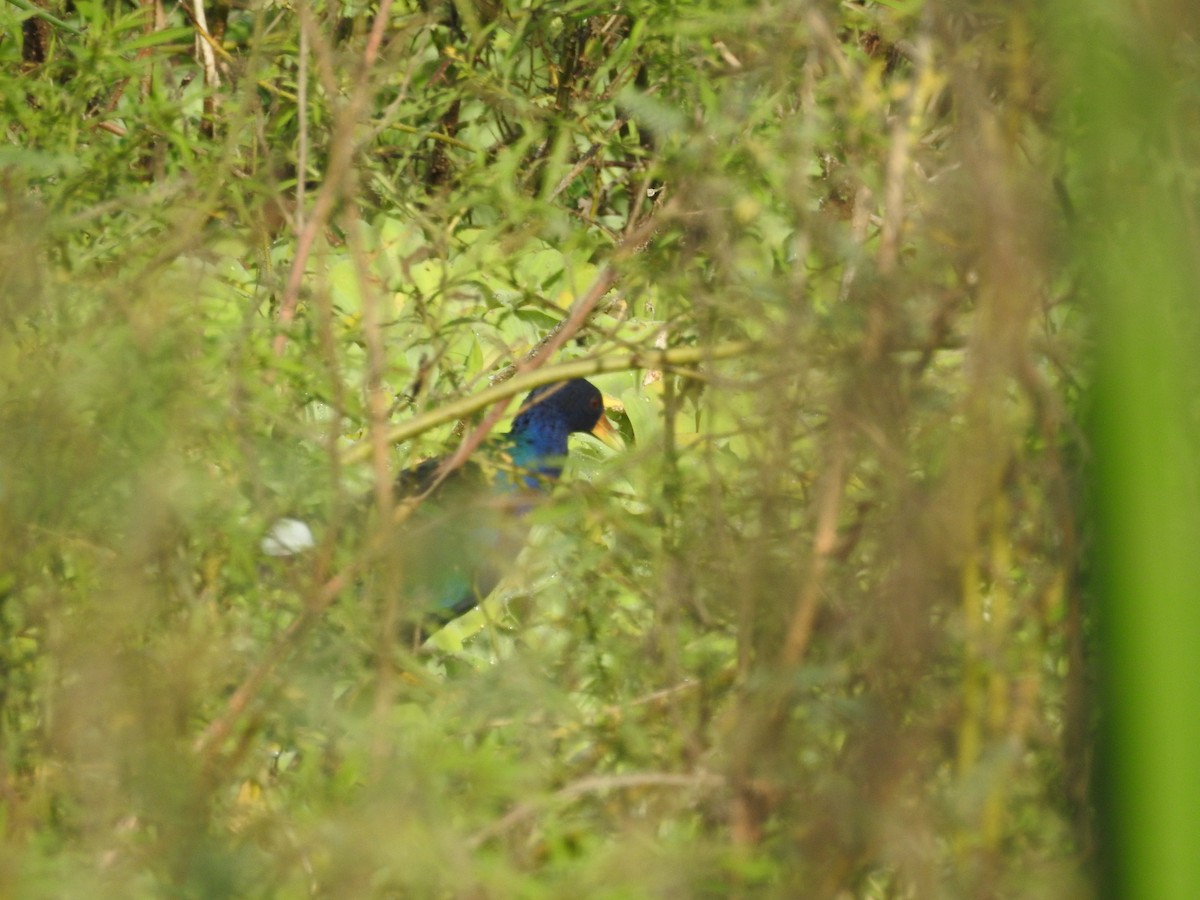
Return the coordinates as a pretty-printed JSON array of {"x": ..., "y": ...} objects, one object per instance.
[{"x": 1135, "y": 137}]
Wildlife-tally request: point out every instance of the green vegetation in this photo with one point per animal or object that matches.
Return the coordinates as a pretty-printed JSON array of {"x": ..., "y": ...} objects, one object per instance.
[{"x": 821, "y": 630}]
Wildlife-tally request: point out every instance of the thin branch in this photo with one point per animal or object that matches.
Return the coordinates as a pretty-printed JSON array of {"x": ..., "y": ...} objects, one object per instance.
[
  {"x": 579, "y": 368},
  {"x": 196, "y": 17},
  {"x": 302, "y": 120},
  {"x": 340, "y": 157},
  {"x": 205, "y": 41},
  {"x": 592, "y": 785},
  {"x": 825, "y": 544}
]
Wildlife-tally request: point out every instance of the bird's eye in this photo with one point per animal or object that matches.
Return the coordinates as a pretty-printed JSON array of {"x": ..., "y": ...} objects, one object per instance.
[{"x": 595, "y": 402}]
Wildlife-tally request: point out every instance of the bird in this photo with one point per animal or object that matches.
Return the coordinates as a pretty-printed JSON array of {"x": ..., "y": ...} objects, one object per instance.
[
  {"x": 472, "y": 525},
  {"x": 459, "y": 531}
]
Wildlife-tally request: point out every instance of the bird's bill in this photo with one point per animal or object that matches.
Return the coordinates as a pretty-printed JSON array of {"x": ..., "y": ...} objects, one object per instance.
[{"x": 606, "y": 432}]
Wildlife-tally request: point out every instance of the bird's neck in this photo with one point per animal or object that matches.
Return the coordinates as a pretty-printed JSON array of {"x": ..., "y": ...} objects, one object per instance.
[{"x": 539, "y": 447}]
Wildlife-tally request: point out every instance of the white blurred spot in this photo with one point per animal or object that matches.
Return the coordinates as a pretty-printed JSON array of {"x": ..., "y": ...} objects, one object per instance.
[{"x": 288, "y": 537}]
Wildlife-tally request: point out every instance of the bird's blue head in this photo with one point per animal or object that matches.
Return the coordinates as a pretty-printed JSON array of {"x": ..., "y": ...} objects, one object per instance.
[{"x": 548, "y": 416}]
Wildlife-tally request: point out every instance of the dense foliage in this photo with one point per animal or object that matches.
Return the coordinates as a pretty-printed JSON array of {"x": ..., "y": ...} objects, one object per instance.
[{"x": 816, "y": 632}]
